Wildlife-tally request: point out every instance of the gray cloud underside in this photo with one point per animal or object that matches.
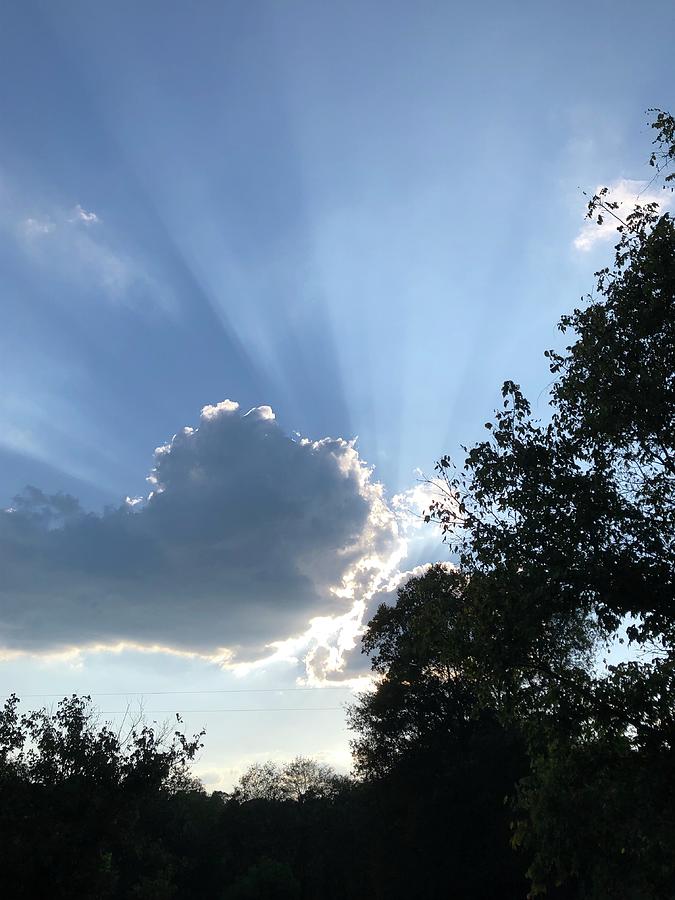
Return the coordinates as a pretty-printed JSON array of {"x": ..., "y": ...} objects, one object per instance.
[{"x": 238, "y": 544}]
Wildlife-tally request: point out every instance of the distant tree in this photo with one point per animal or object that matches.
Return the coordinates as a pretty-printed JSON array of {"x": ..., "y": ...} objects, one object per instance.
[
  {"x": 306, "y": 779},
  {"x": 261, "y": 781},
  {"x": 298, "y": 823},
  {"x": 299, "y": 780}
]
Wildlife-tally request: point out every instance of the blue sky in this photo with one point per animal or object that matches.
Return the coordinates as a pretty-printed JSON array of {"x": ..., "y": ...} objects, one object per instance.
[{"x": 362, "y": 216}]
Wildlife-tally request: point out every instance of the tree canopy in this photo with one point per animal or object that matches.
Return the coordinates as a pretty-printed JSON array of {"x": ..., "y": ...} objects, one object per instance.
[{"x": 563, "y": 533}]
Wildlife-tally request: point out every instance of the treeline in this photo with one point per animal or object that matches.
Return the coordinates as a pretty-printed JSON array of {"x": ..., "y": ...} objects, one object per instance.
[
  {"x": 520, "y": 738},
  {"x": 86, "y": 812}
]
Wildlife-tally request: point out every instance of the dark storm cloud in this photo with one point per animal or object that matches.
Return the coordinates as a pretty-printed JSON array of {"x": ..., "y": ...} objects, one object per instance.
[{"x": 240, "y": 541}]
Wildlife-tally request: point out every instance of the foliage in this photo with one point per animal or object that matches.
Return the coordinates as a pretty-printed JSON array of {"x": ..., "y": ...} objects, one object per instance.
[
  {"x": 564, "y": 535},
  {"x": 300, "y": 780},
  {"x": 266, "y": 880},
  {"x": 87, "y": 813},
  {"x": 421, "y": 698},
  {"x": 84, "y": 796},
  {"x": 439, "y": 766}
]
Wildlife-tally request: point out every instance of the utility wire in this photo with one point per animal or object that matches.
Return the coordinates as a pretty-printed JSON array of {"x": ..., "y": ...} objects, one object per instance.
[
  {"x": 184, "y": 693},
  {"x": 262, "y": 709}
]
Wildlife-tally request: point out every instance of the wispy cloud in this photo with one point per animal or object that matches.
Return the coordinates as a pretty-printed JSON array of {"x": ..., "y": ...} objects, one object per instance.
[
  {"x": 37, "y": 228},
  {"x": 78, "y": 252},
  {"x": 74, "y": 247},
  {"x": 81, "y": 215},
  {"x": 627, "y": 194}
]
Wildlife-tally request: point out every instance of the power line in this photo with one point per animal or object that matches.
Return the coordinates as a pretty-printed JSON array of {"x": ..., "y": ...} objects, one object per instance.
[
  {"x": 185, "y": 693},
  {"x": 263, "y": 709}
]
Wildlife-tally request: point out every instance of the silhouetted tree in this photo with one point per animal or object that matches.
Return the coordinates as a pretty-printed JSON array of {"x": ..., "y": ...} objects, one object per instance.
[
  {"x": 299, "y": 780},
  {"x": 564, "y": 533},
  {"x": 266, "y": 880},
  {"x": 437, "y": 766},
  {"x": 77, "y": 803}
]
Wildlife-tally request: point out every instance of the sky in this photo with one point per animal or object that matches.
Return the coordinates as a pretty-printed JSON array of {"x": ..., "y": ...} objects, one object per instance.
[{"x": 261, "y": 264}]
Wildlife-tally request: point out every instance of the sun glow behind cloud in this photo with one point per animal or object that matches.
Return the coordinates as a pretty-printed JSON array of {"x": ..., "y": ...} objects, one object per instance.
[{"x": 250, "y": 549}]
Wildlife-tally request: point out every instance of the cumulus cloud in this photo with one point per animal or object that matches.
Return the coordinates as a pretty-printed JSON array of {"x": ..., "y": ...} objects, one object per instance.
[
  {"x": 248, "y": 540},
  {"x": 627, "y": 194},
  {"x": 330, "y": 648},
  {"x": 353, "y": 665}
]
